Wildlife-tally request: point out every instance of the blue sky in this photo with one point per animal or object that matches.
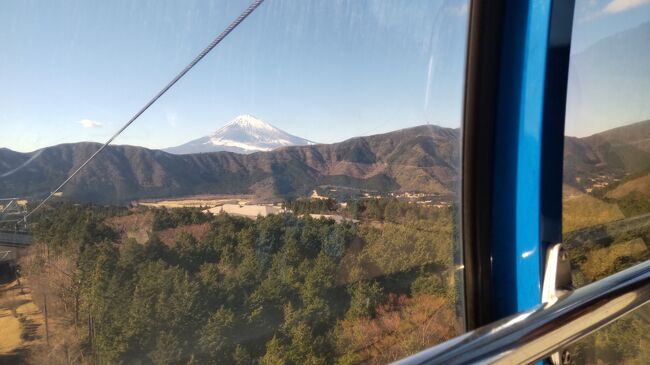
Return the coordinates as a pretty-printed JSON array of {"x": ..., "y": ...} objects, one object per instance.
[{"x": 76, "y": 70}]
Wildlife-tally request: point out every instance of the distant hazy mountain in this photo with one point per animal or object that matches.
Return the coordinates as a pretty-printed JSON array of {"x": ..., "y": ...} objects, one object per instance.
[
  {"x": 424, "y": 158},
  {"x": 614, "y": 154},
  {"x": 244, "y": 134}
]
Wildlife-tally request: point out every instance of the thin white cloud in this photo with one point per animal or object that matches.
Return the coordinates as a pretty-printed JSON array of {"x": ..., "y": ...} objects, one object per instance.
[
  {"x": 87, "y": 123},
  {"x": 617, "y": 6},
  {"x": 591, "y": 10},
  {"x": 460, "y": 10}
]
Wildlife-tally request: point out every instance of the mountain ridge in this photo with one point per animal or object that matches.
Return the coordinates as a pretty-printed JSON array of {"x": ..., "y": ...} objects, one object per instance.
[
  {"x": 419, "y": 158},
  {"x": 607, "y": 157},
  {"x": 424, "y": 159}
]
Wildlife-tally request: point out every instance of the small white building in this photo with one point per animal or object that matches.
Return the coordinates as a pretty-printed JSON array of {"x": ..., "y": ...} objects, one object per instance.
[{"x": 314, "y": 195}]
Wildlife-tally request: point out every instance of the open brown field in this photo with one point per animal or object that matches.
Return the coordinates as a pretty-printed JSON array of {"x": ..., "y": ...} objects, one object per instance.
[{"x": 197, "y": 201}]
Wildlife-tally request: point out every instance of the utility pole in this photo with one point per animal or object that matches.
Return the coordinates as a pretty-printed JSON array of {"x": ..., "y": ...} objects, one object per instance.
[
  {"x": 91, "y": 339},
  {"x": 47, "y": 329},
  {"x": 17, "y": 272}
]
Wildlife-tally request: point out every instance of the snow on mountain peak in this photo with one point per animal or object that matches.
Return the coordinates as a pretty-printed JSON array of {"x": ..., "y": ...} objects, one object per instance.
[
  {"x": 243, "y": 134},
  {"x": 248, "y": 120}
]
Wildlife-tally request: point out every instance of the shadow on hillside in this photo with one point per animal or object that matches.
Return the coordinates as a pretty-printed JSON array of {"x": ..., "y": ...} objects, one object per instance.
[
  {"x": 30, "y": 329},
  {"x": 6, "y": 275},
  {"x": 18, "y": 357}
]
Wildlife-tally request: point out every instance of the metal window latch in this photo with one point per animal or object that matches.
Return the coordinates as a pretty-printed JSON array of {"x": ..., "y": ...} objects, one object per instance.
[{"x": 557, "y": 283}]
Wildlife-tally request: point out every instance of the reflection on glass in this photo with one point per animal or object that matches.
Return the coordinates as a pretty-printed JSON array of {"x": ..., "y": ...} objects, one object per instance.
[
  {"x": 606, "y": 215},
  {"x": 293, "y": 200},
  {"x": 625, "y": 341}
]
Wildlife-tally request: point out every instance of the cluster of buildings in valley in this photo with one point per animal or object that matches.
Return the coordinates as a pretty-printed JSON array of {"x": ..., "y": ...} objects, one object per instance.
[
  {"x": 426, "y": 199},
  {"x": 599, "y": 182},
  {"x": 407, "y": 195}
]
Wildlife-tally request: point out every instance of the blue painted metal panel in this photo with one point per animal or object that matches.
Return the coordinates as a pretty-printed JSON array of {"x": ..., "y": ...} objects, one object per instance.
[
  {"x": 528, "y": 237},
  {"x": 517, "y": 250}
]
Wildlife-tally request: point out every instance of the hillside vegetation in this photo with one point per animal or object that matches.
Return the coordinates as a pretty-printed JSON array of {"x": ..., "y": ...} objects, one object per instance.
[
  {"x": 276, "y": 290},
  {"x": 636, "y": 185}
]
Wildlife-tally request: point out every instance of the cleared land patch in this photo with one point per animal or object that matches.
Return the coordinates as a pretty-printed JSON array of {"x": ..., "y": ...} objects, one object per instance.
[
  {"x": 582, "y": 210},
  {"x": 20, "y": 322},
  {"x": 640, "y": 184}
]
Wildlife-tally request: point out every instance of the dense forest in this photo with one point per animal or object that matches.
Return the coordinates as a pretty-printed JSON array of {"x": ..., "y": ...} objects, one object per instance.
[{"x": 281, "y": 289}]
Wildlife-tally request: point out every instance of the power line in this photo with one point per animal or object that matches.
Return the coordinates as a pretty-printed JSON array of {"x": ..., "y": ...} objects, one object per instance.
[
  {"x": 196, "y": 60},
  {"x": 7, "y": 206}
]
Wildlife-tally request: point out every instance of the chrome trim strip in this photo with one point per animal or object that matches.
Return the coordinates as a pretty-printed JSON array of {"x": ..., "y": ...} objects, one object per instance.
[{"x": 529, "y": 336}]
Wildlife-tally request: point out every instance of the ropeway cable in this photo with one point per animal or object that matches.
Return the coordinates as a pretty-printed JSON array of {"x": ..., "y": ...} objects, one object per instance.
[{"x": 196, "y": 60}]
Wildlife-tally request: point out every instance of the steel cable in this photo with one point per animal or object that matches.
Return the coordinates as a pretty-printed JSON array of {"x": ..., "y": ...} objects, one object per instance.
[{"x": 187, "y": 68}]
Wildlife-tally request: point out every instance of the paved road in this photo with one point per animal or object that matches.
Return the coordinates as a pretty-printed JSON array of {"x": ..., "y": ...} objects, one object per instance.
[
  {"x": 603, "y": 233},
  {"x": 13, "y": 238}
]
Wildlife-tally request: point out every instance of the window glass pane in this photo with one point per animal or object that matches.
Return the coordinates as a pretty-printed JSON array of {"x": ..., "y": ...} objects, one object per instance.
[
  {"x": 625, "y": 341},
  {"x": 606, "y": 217},
  {"x": 607, "y": 148},
  {"x": 293, "y": 199}
]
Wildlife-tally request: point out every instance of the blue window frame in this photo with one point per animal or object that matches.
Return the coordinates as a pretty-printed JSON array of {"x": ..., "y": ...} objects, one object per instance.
[{"x": 516, "y": 78}]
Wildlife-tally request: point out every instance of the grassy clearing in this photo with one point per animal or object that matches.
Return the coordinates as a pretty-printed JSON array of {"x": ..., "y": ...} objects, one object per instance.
[
  {"x": 9, "y": 332},
  {"x": 580, "y": 210},
  {"x": 605, "y": 261}
]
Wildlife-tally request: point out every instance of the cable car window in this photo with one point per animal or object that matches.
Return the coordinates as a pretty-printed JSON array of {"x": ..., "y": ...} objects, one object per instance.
[
  {"x": 624, "y": 341},
  {"x": 607, "y": 154},
  {"x": 291, "y": 196},
  {"x": 606, "y": 206}
]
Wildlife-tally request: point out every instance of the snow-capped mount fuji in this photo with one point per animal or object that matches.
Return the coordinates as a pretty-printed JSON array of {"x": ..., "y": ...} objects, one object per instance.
[{"x": 244, "y": 134}]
